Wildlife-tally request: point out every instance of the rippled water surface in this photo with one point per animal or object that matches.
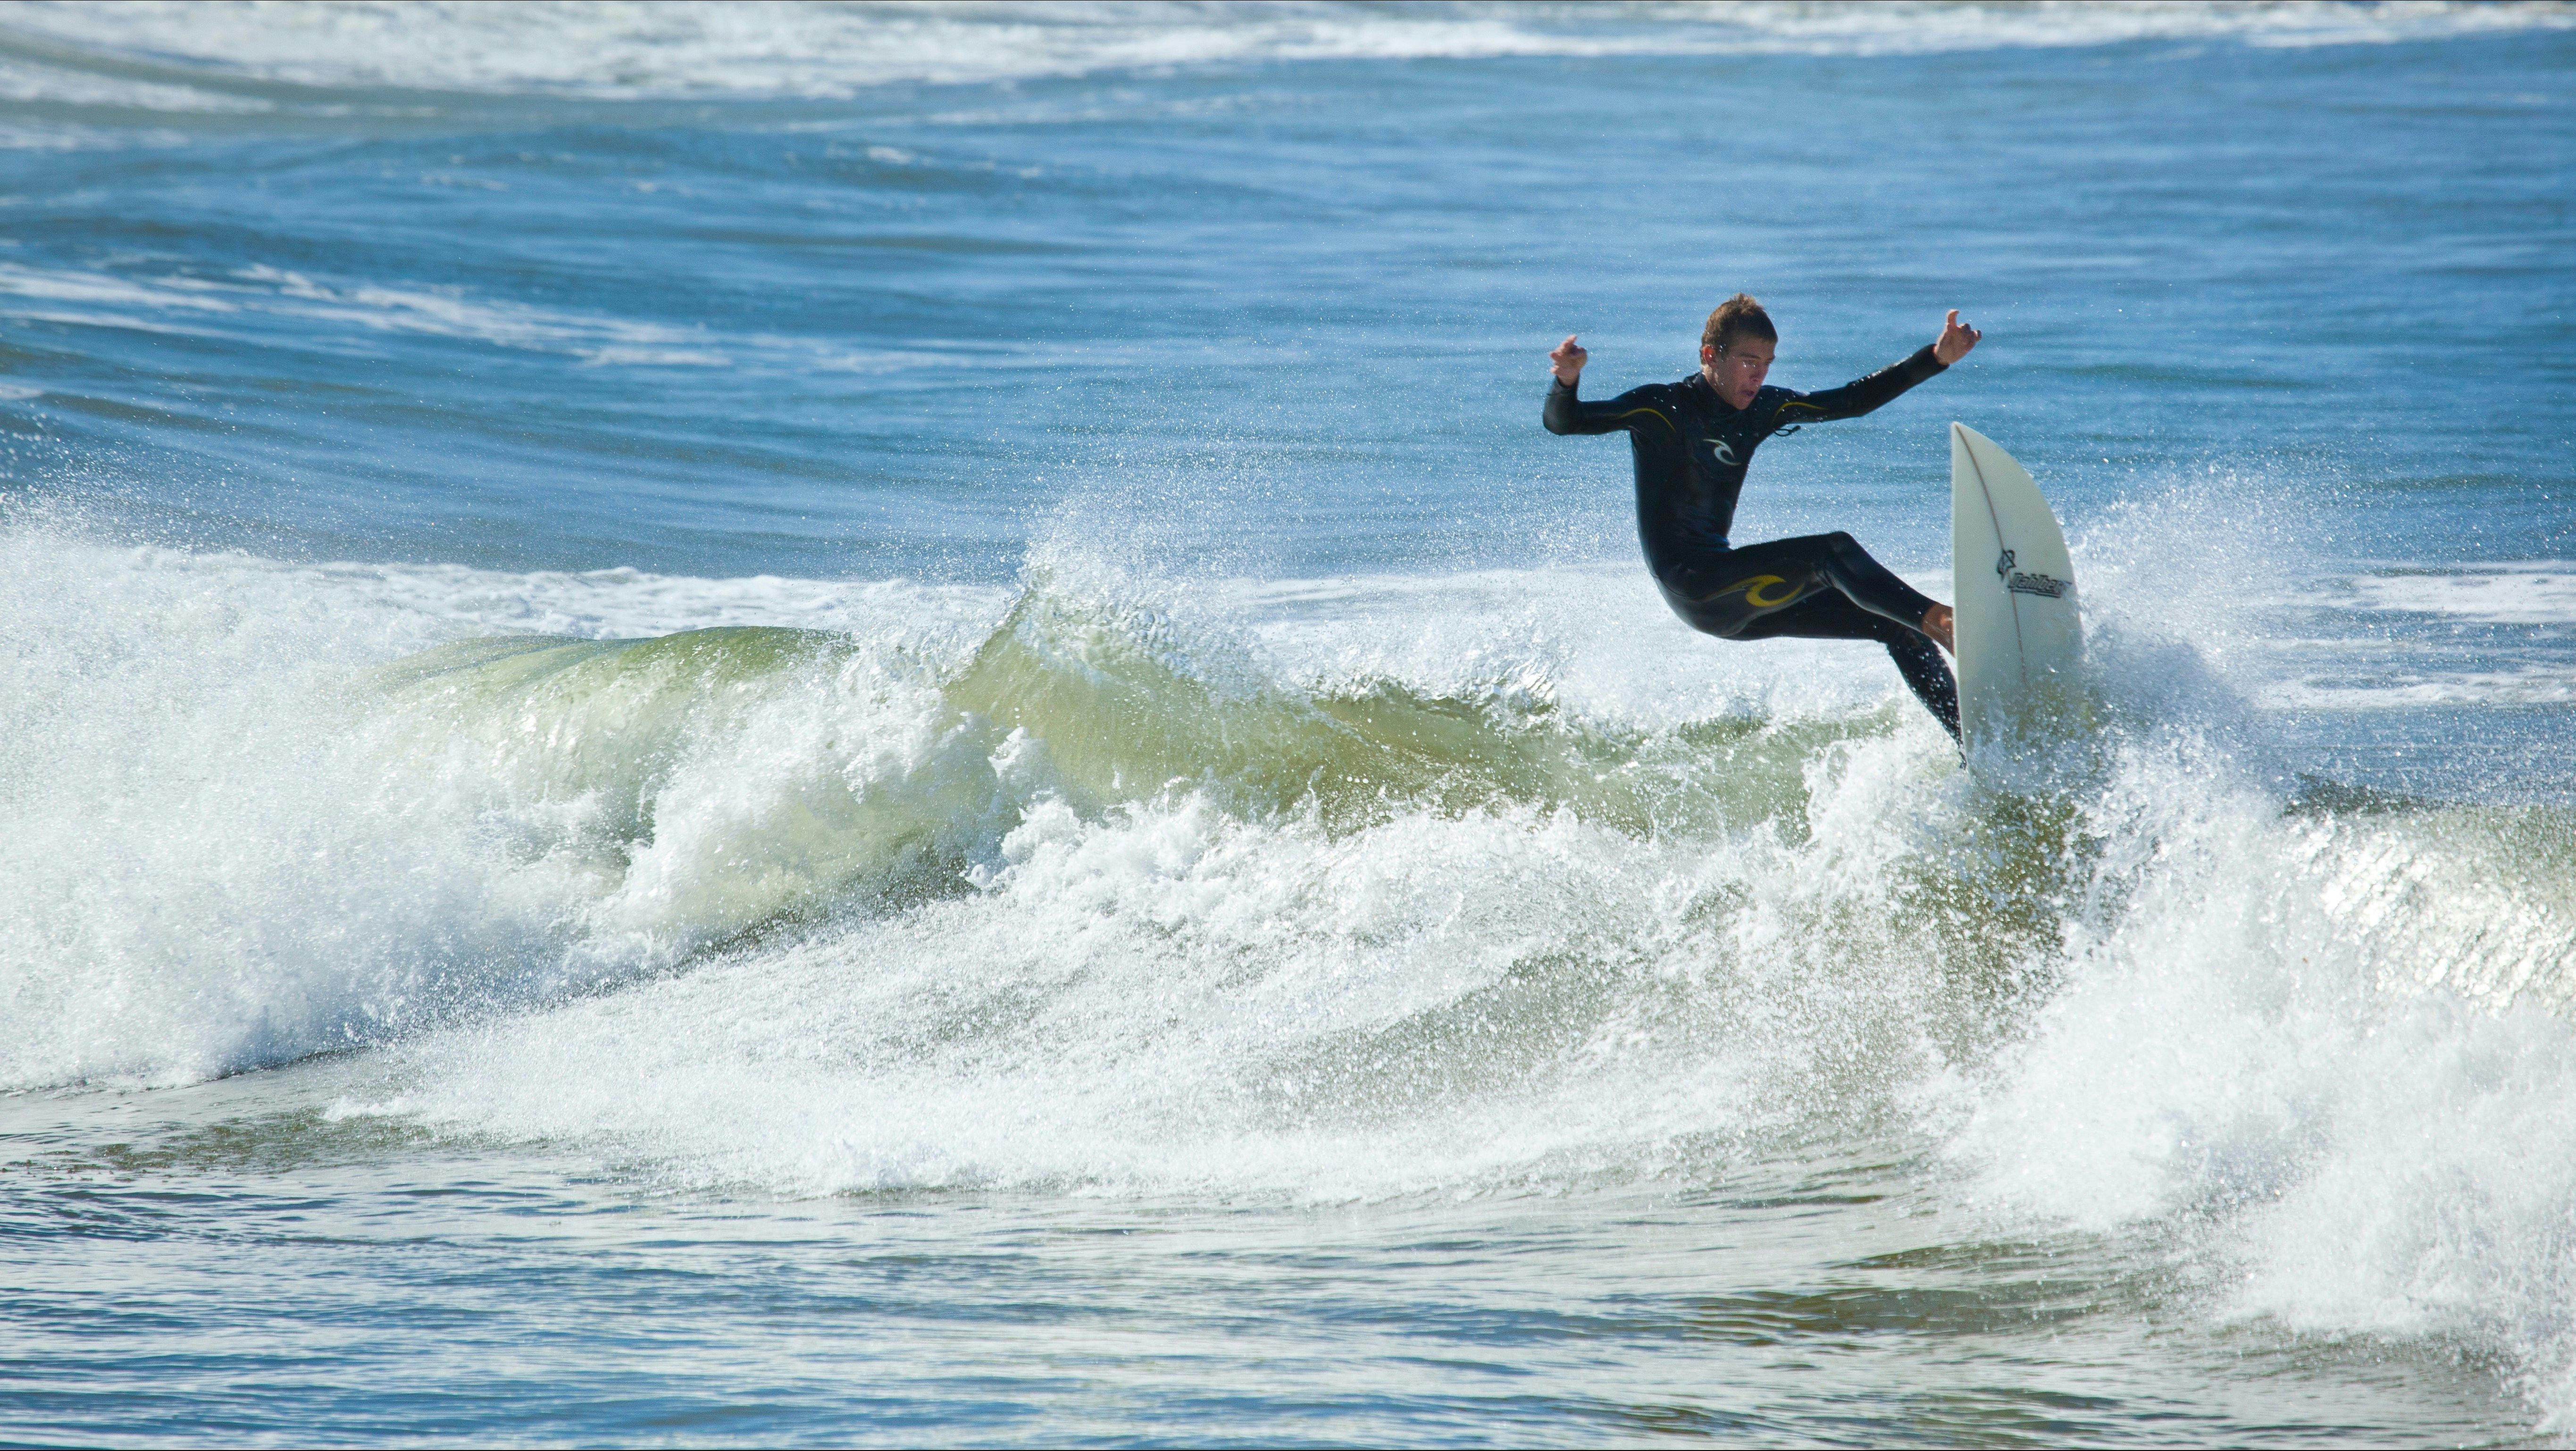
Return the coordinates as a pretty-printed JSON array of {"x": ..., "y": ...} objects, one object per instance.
[{"x": 885, "y": 724}]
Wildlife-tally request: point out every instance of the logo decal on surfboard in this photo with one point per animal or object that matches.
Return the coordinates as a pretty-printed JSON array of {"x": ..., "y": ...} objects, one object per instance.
[{"x": 2030, "y": 584}]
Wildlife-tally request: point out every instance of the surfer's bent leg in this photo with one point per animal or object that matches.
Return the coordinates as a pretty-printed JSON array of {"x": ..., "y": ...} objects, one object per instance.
[
  {"x": 1870, "y": 584},
  {"x": 1825, "y": 613},
  {"x": 1722, "y": 591}
]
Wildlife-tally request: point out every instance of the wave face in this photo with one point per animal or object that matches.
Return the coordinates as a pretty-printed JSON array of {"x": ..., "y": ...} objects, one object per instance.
[{"x": 1092, "y": 887}]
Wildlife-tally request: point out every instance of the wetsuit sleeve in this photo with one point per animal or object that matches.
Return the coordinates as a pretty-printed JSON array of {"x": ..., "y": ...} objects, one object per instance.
[
  {"x": 1861, "y": 395},
  {"x": 1569, "y": 414}
]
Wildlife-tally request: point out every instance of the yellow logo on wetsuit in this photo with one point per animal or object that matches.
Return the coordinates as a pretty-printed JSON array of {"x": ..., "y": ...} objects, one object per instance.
[{"x": 1753, "y": 591}]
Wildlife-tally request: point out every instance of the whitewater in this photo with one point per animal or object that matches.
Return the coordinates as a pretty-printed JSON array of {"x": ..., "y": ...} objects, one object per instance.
[{"x": 884, "y": 724}]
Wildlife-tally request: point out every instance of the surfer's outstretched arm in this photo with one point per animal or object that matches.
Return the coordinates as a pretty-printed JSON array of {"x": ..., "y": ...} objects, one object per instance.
[
  {"x": 1566, "y": 413},
  {"x": 1867, "y": 395},
  {"x": 1861, "y": 395}
]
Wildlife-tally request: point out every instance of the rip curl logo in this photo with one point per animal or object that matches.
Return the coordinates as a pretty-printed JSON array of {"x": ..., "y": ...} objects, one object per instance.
[
  {"x": 2016, "y": 582},
  {"x": 1723, "y": 452},
  {"x": 1754, "y": 587}
]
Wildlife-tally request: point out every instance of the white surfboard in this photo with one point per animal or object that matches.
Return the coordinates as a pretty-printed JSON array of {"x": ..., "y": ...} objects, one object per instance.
[{"x": 2020, "y": 640}]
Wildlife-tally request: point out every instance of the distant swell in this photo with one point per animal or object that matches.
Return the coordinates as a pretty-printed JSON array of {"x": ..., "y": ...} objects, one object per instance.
[{"x": 217, "y": 59}]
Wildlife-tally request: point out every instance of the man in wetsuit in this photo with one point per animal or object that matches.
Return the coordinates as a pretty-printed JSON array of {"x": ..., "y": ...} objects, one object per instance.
[{"x": 1693, "y": 440}]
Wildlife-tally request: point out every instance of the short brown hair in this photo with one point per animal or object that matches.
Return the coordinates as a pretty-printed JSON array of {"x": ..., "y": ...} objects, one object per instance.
[{"x": 1737, "y": 317}]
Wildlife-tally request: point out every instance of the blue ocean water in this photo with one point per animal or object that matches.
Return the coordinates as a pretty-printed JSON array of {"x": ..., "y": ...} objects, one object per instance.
[{"x": 884, "y": 723}]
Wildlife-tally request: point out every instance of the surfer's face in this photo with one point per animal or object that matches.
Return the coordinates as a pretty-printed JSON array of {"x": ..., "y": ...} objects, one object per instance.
[{"x": 1738, "y": 372}]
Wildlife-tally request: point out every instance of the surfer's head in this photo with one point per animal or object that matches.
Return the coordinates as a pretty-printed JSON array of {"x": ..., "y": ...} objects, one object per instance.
[{"x": 1735, "y": 349}]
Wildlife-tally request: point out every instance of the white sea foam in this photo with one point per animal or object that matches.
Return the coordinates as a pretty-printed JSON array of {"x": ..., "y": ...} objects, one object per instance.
[
  {"x": 2315, "y": 1054},
  {"x": 2398, "y": 689},
  {"x": 2403, "y": 648},
  {"x": 2535, "y": 593},
  {"x": 177, "y": 294},
  {"x": 776, "y": 49},
  {"x": 219, "y": 851},
  {"x": 2236, "y": 1033},
  {"x": 57, "y": 85},
  {"x": 429, "y": 602},
  {"x": 2259, "y": 628},
  {"x": 2326, "y": 1057},
  {"x": 183, "y": 305},
  {"x": 243, "y": 857},
  {"x": 1147, "y": 1004},
  {"x": 2319, "y": 1060}
]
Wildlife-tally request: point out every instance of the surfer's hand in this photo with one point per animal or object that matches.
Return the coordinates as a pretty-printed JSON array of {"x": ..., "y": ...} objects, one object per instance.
[
  {"x": 1953, "y": 344},
  {"x": 1569, "y": 358}
]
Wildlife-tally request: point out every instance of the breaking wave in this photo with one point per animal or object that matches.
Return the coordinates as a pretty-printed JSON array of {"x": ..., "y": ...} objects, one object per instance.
[{"x": 1073, "y": 889}]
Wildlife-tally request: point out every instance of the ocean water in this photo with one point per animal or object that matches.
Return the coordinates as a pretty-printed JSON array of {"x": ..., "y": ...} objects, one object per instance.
[{"x": 816, "y": 724}]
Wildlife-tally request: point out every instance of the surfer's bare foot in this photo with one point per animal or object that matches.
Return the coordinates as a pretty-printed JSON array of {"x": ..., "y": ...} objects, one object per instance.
[{"x": 1936, "y": 623}]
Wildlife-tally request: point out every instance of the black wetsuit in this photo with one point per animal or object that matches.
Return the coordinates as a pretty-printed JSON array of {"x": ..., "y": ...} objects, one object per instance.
[{"x": 1692, "y": 451}]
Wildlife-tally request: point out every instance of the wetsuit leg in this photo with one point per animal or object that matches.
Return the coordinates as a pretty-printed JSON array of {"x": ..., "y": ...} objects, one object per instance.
[
  {"x": 1830, "y": 616},
  {"x": 1816, "y": 586},
  {"x": 1723, "y": 590}
]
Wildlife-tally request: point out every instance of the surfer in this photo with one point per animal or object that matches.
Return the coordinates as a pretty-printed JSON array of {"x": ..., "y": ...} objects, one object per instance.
[{"x": 1693, "y": 441}]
